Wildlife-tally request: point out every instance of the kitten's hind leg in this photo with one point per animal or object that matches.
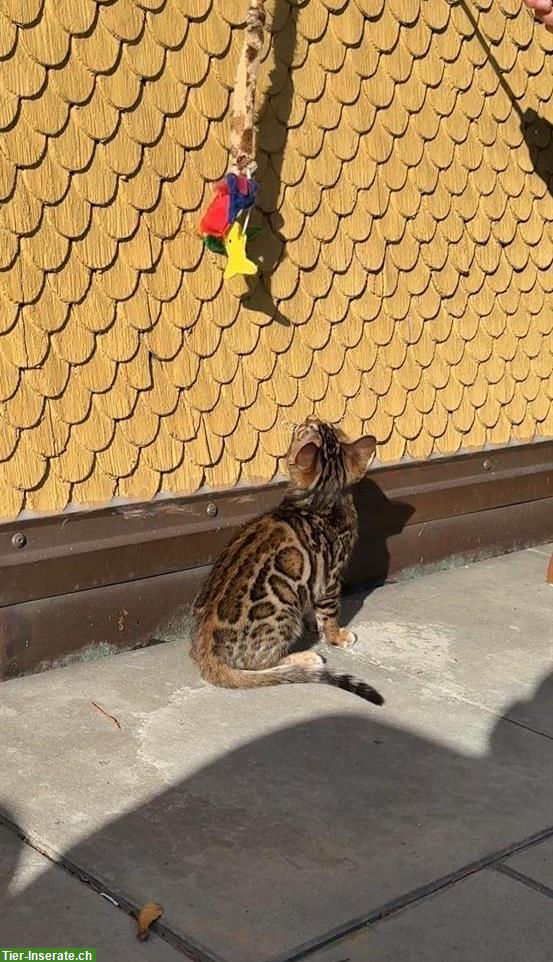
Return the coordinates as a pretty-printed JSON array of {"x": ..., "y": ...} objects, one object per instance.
[
  {"x": 326, "y": 613},
  {"x": 307, "y": 659},
  {"x": 266, "y": 643}
]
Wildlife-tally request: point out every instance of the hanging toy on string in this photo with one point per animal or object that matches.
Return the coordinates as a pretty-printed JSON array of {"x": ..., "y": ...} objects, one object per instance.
[
  {"x": 224, "y": 225},
  {"x": 223, "y": 232}
]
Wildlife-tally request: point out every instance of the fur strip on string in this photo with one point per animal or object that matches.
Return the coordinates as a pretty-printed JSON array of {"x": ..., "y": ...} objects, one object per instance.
[{"x": 242, "y": 123}]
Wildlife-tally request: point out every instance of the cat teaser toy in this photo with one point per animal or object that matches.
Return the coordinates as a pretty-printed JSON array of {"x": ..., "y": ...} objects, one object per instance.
[{"x": 224, "y": 225}]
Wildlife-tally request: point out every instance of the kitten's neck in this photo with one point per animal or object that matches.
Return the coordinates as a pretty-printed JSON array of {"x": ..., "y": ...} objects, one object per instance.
[{"x": 319, "y": 502}]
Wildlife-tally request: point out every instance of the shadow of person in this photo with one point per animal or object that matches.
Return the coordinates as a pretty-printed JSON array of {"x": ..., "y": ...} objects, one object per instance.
[
  {"x": 302, "y": 830},
  {"x": 535, "y": 129},
  {"x": 273, "y": 124}
]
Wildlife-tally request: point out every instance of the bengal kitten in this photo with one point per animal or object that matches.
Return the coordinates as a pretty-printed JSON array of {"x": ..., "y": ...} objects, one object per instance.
[{"x": 282, "y": 566}]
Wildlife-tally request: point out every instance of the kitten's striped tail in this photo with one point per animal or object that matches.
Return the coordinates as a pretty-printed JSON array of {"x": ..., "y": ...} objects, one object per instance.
[
  {"x": 223, "y": 675},
  {"x": 339, "y": 679}
]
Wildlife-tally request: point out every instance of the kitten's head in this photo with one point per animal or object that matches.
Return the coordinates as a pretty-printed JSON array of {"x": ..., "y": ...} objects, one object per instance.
[{"x": 321, "y": 459}]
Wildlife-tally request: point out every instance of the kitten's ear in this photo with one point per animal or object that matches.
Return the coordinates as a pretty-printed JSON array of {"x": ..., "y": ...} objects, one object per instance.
[
  {"x": 359, "y": 455},
  {"x": 302, "y": 462}
]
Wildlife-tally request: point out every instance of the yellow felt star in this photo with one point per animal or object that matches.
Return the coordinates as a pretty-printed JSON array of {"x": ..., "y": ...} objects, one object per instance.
[{"x": 235, "y": 246}]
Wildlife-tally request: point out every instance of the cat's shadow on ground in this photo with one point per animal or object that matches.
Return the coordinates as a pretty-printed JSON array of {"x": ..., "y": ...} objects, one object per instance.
[{"x": 380, "y": 519}]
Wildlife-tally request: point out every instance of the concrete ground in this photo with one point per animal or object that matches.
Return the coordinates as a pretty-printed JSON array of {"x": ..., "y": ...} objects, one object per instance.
[{"x": 298, "y": 822}]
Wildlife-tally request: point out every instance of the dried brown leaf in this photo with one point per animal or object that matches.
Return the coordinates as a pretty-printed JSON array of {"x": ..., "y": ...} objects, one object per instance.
[{"x": 148, "y": 914}]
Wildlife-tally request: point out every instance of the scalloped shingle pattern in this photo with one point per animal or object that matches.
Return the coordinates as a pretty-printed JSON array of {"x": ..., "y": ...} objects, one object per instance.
[{"x": 407, "y": 251}]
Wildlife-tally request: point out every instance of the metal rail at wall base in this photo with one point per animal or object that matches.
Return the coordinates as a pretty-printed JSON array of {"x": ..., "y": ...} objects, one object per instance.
[{"x": 90, "y": 582}]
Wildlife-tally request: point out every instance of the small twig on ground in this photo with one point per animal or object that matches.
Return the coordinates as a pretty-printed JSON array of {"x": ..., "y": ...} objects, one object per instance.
[{"x": 106, "y": 713}]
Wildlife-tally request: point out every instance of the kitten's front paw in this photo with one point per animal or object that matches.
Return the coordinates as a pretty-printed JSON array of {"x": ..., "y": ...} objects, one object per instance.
[{"x": 344, "y": 639}]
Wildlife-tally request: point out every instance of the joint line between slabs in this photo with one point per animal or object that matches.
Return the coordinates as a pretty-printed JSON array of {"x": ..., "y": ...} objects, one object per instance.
[
  {"x": 186, "y": 945},
  {"x": 411, "y": 898},
  {"x": 524, "y": 879},
  {"x": 527, "y": 728}
]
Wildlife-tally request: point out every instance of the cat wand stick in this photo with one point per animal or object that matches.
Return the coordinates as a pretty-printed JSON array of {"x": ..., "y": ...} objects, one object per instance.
[{"x": 221, "y": 226}]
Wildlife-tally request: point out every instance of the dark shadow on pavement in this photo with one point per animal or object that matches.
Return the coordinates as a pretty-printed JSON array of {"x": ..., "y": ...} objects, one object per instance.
[{"x": 306, "y": 828}]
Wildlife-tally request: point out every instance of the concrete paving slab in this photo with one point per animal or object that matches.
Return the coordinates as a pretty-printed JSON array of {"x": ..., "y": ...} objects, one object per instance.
[
  {"x": 545, "y": 549},
  {"x": 261, "y": 819},
  {"x": 536, "y": 862},
  {"x": 487, "y": 917},
  {"x": 481, "y": 633},
  {"x": 44, "y": 906}
]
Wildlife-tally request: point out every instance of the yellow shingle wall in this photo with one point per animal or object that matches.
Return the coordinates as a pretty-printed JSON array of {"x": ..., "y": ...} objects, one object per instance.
[{"x": 414, "y": 295}]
